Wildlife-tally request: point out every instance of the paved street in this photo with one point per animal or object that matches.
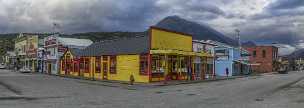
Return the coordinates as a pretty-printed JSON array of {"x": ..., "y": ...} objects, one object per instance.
[{"x": 43, "y": 91}]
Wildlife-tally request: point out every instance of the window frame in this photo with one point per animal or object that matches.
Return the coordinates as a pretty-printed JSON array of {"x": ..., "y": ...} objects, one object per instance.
[{"x": 113, "y": 65}]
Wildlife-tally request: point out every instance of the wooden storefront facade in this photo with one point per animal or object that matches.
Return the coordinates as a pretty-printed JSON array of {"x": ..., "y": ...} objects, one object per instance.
[{"x": 158, "y": 56}]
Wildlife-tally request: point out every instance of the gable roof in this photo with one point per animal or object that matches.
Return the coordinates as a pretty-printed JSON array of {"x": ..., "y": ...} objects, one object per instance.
[{"x": 135, "y": 45}]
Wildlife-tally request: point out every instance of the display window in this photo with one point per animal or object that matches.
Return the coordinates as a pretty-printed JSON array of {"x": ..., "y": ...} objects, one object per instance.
[{"x": 113, "y": 63}]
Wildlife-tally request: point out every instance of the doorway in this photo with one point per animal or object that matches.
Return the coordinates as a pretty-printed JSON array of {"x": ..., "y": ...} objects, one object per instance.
[
  {"x": 49, "y": 68},
  {"x": 105, "y": 64},
  {"x": 173, "y": 66}
]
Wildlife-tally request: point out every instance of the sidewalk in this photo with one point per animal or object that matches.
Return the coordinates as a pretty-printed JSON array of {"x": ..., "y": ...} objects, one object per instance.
[{"x": 174, "y": 82}]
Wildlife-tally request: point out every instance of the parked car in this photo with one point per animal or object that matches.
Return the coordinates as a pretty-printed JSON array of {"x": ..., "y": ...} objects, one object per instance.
[
  {"x": 2, "y": 66},
  {"x": 25, "y": 70},
  {"x": 283, "y": 69}
]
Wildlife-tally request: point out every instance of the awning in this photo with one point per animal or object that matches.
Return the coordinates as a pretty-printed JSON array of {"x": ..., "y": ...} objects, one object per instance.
[{"x": 178, "y": 52}]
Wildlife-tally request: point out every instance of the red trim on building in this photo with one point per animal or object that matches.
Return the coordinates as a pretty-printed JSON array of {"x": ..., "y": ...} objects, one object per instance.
[{"x": 149, "y": 68}]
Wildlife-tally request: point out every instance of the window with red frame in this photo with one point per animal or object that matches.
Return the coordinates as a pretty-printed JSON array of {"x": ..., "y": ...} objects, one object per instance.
[
  {"x": 97, "y": 65},
  {"x": 87, "y": 65},
  {"x": 143, "y": 70},
  {"x": 76, "y": 67},
  {"x": 113, "y": 64}
]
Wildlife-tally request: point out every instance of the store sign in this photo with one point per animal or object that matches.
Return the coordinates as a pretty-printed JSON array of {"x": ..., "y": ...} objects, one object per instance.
[
  {"x": 50, "y": 41},
  {"x": 62, "y": 49}
]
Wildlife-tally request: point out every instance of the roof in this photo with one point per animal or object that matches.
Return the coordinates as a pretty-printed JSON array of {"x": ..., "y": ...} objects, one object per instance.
[
  {"x": 204, "y": 42},
  {"x": 76, "y": 51},
  {"x": 135, "y": 45},
  {"x": 75, "y": 42}
]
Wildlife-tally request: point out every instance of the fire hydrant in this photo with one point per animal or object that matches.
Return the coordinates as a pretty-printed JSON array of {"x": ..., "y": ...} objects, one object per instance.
[{"x": 132, "y": 80}]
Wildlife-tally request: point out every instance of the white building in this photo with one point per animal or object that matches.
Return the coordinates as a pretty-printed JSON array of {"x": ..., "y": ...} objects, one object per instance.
[
  {"x": 55, "y": 46},
  {"x": 205, "y": 62}
]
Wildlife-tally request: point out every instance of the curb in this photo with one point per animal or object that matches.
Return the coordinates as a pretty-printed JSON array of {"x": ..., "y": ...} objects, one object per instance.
[{"x": 200, "y": 81}]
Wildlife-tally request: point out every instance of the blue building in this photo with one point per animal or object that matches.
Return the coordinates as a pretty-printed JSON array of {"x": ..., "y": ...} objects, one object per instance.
[{"x": 231, "y": 59}]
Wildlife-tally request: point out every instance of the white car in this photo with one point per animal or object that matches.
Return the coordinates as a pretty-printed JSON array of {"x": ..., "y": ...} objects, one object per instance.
[
  {"x": 25, "y": 70},
  {"x": 2, "y": 66}
]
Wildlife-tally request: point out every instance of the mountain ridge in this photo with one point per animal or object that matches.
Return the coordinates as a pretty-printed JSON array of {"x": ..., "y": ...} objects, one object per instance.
[{"x": 199, "y": 31}]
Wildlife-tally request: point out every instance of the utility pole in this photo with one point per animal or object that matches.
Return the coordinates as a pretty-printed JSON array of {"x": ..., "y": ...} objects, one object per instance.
[{"x": 239, "y": 38}]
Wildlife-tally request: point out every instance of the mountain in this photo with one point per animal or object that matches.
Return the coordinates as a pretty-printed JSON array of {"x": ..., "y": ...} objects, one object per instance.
[
  {"x": 6, "y": 43},
  {"x": 297, "y": 54},
  {"x": 248, "y": 44},
  {"x": 199, "y": 31}
]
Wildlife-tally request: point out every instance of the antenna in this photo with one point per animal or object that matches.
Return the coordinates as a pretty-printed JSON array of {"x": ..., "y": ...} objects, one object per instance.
[{"x": 56, "y": 28}]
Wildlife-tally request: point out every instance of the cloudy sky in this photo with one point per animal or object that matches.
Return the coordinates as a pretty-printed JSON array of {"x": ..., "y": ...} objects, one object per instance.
[{"x": 257, "y": 19}]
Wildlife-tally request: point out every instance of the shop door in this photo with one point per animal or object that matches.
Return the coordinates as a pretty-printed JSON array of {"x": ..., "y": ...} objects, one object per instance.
[
  {"x": 105, "y": 71},
  {"x": 105, "y": 67},
  {"x": 173, "y": 67},
  {"x": 203, "y": 70},
  {"x": 198, "y": 71}
]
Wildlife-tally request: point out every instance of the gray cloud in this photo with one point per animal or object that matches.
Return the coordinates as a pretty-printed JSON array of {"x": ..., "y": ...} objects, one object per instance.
[
  {"x": 78, "y": 15},
  {"x": 287, "y": 4},
  {"x": 257, "y": 19},
  {"x": 97, "y": 15}
]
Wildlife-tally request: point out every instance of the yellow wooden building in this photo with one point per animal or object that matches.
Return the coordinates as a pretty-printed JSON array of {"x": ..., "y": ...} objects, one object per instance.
[{"x": 156, "y": 56}]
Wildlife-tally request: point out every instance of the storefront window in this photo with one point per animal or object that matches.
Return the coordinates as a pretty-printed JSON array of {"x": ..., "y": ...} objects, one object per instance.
[
  {"x": 113, "y": 64},
  {"x": 183, "y": 64},
  {"x": 158, "y": 64},
  {"x": 143, "y": 64},
  {"x": 174, "y": 64}
]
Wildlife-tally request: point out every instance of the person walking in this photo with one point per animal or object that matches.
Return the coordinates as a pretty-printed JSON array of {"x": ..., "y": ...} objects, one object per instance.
[{"x": 227, "y": 72}]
